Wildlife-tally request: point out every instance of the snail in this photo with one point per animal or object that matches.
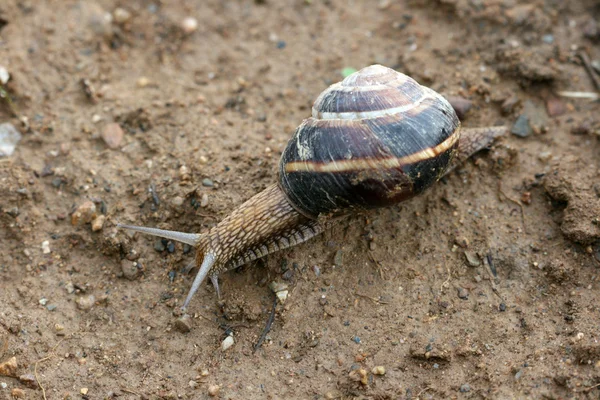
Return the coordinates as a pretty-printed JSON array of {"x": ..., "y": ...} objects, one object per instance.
[{"x": 375, "y": 139}]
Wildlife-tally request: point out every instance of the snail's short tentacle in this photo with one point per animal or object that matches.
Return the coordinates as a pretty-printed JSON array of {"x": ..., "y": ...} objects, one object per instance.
[
  {"x": 207, "y": 264},
  {"x": 189, "y": 238},
  {"x": 215, "y": 281},
  {"x": 473, "y": 140}
]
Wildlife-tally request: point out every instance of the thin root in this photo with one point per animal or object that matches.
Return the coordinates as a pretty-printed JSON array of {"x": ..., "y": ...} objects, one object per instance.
[{"x": 268, "y": 326}]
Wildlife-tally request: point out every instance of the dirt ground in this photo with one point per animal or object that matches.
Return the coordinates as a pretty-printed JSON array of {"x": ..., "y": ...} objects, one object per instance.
[{"x": 487, "y": 286}]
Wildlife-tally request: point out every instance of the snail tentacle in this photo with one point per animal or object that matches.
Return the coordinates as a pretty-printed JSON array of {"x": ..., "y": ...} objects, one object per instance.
[
  {"x": 189, "y": 238},
  {"x": 207, "y": 264}
]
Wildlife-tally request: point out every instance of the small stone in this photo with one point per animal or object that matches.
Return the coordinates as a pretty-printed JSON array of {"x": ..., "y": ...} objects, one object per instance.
[
  {"x": 465, "y": 388},
  {"x": 59, "y": 327},
  {"x": 177, "y": 201},
  {"x": 509, "y": 104},
  {"x": 378, "y": 370},
  {"x": 9, "y": 137},
  {"x": 227, "y": 343},
  {"x": 121, "y": 15},
  {"x": 51, "y": 307},
  {"x": 69, "y": 287},
  {"x": 84, "y": 214},
  {"x": 461, "y": 105},
  {"x": 46, "y": 247},
  {"x": 4, "y": 75},
  {"x": 28, "y": 380},
  {"x": 548, "y": 38},
  {"x": 193, "y": 384},
  {"x": 463, "y": 293},
  {"x": 159, "y": 245},
  {"x": 204, "y": 200},
  {"x": 213, "y": 390},
  {"x": 472, "y": 258},
  {"x": 3, "y": 385},
  {"x": 84, "y": 391},
  {"x": 207, "y": 182},
  {"x": 282, "y": 296},
  {"x": 356, "y": 339},
  {"x": 278, "y": 286},
  {"x": 112, "y": 134},
  {"x": 521, "y": 128},
  {"x": 189, "y": 25},
  {"x": 502, "y": 307},
  {"x": 338, "y": 258},
  {"x": 359, "y": 375},
  {"x": 98, "y": 223},
  {"x": 9, "y": 368},
  {"x": 130, "y": 269},
  {"x": 184, "y": 323},
  {"x": 555, "y": 107},
  {"x": 142, "y": 82},
  {"x": 17, "y": 393},
  {"x": 86, "y": 302}
]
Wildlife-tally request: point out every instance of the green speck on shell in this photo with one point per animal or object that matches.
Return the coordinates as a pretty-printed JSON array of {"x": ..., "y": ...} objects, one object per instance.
[{"x": 348, "y": 71}]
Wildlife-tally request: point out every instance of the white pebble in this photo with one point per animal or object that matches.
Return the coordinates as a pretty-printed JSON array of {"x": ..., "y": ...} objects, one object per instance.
[
  {"x": 9, "y": 137},
  {"x": 189, "y": 25},
  {"x": 4, "y": 75},
  {"x": 227, "y": 343},
  {"x": 121, "y": 15},
  {"x": 46, "y": 247},
  {"x": 282, "y": 296},
  {"x": 3, "y": 385}
]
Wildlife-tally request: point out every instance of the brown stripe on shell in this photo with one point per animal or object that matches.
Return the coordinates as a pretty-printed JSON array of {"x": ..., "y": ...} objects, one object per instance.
[{"x": 367, "y": 164}]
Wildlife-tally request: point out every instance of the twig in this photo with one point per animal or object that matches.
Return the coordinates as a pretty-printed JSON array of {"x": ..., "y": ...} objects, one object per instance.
[
  {"x": 587, "y": 389},
  {"x": 131, "y": 391},
  {"x": 374, "y": 300},
  {"x": 579, "y": 95},
  {"x": 37, "y": 379},
  {"x": 267, "y": 327},
  {"x": 517, "y": 202},
  {"x": 590, "y": 70},
  {"x": 423, "y": 391}
]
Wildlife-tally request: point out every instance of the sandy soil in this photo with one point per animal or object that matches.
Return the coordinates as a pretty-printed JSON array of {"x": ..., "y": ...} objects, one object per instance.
[{"x": 519, "y": 318}]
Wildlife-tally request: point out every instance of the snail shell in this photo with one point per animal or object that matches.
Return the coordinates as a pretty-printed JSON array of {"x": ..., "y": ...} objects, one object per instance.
[{"x": 375, "y": 139}]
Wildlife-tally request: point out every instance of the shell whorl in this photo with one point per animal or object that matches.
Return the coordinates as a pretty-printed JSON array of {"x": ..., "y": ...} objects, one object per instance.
[{"x": 374, "y": 139}]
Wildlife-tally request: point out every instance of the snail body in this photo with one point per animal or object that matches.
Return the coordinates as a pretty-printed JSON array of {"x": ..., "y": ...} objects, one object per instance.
[{"x": 375, "y": 139}]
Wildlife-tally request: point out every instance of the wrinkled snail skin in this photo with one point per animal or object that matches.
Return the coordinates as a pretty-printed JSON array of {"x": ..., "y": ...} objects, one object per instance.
[{"x": 375, "y": 139}]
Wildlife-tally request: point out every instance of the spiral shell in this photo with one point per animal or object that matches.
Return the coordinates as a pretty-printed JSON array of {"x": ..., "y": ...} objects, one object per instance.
[{"x": 375, "y": 139}]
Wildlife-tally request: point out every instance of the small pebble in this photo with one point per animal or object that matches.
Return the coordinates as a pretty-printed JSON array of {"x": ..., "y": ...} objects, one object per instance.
[
  {"x": 9, "y": 367},
  {"x": 142, "y": 82},
  {"x": 28, "y": 380},
  {"x": 338, "y": 258},
  {"x": 227, "y": 343},
  {"x": 3, "y": 385},
  {"x": 508, "y": 105},
  {"x": 465, "y": 388},
  {"x": 121, "y": 15},
  {"x": 84, "y": 391},
  {"x": 207, "y": 182},
  {"x": 171, "y": 247},
  {"x": 177, "y": 201},
  {"x": 159, "y": 245},
  {"x": 549, "y": 39},
  {"x": 43, "y": 301},
  {"x": 502, "y": 307},
  {"x": 472, "y": 258},
  {"x": 521, "y": 128},
  {"x": 130, "y": 269},
  {"x": 463, "y": 293},
  {"x": 461, "y": 105},
  {"x": 378, "y": 370},
  {"x": 69, "y": 287},
  {"x": 112, "y": 134},
  {"x": 184, "y": 323},
  {"x": 46, "y": 247},
  {"x": 86, "y": 302},
  {"x": 204, "y": 200},
  {"x": 282, "y": 296},
  {"x": 51, "y": 307},
  {"x": 281, "y": 44},
  {"x": 98, "y": 223},
  {"x": 356, "y": 339},
  {"x": 189, "y": 25},
  {"x": 84, "y": 214},
  {"x": 4, "y": 75},
  {"x": 9, "y": 137},
  {"x": 555, "y": 107},
  {"x": 193, "y": 384},
  {"x": 17, "y": 393},
  {"x": 213, "y": 390}
]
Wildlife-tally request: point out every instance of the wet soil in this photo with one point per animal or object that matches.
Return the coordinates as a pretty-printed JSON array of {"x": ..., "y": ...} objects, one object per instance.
[{"x": 486, "y": 286}]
